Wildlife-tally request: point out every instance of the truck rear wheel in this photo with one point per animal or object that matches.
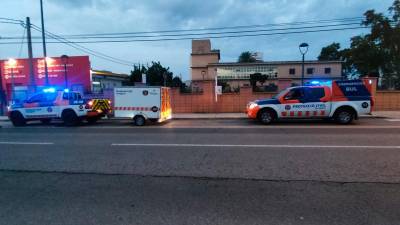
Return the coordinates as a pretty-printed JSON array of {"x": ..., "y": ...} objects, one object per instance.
[
  {"x": 17, "y": 119},
  {"x": 344, "y": 116},
  {"x": 139, "y": 120},
  {"x": 70, "y": 118}
]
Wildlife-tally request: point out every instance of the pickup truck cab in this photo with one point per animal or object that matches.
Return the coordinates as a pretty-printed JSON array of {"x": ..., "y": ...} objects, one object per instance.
[
  {"x": 47, "y": 105},
  {"x": 342, "y": 101}
]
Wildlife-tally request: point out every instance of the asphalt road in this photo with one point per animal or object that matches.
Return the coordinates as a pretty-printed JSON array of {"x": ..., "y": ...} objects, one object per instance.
[
  {"x": 86, "y": 199},
  {"x": 201, "y": 172},
  {"x": 368, "y": 151}
]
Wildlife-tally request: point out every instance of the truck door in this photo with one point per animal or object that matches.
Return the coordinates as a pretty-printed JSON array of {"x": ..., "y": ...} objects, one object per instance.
[
  {"x": 291, "y": 103},
  {"x": 317, "y": 102}
]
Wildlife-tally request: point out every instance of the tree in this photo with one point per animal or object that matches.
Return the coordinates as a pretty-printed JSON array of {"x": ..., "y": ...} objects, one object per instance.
[
  {"x": 177, "y": 82},
  {"x": 246, "y": 57},
  {"x": 257, "y": 77},
  {"x": 136, "y": 74},
  {"x": 155, "y": 75},
  {"x": 376, "y": 53},
  {"x": 330, "y": 52}
]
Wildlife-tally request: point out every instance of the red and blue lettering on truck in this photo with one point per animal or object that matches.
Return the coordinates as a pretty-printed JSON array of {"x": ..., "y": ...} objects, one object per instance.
[{"x": 339, "y": 100}]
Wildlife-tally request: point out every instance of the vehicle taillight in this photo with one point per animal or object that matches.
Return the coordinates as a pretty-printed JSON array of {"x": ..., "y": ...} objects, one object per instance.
[{"x": 89, "y": 104}]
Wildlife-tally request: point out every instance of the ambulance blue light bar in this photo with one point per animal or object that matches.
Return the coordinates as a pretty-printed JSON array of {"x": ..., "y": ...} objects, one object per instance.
[
  {"x": 66, "y": 90},
  {"x": 315, "y": 82},
  {"x": 49, "y": 90},
  {"x": 318, "y": 83}
]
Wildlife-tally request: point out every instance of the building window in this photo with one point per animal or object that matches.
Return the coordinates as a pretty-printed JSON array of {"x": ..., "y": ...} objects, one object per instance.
[
  {"x": 328, "y": 70},
  {"x": 310, "y": 70},
  {"x": 292, "y": 71}
]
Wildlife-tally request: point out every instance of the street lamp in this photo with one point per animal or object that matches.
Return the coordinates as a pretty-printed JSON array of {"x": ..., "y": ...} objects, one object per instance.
[
  {"x": 303, "y": 47},
  {"x": 11, "y": 64},
  {"x": 64, "y": 59}
]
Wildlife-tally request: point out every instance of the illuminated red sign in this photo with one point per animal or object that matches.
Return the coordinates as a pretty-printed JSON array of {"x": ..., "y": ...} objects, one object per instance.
[{"x": 78, "y": 72}]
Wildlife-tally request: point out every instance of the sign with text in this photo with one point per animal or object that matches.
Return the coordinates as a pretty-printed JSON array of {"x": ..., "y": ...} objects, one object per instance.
[{"x": 77, "y": 68}]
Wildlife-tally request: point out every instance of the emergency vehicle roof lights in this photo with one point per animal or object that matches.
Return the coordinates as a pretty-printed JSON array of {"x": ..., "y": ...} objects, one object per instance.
[
  {"x": 319, "y": 83},
  {"x": 66, "y": 90},
  {"x": 49, "y": 90},
  {"x": 315, "y": 82}
]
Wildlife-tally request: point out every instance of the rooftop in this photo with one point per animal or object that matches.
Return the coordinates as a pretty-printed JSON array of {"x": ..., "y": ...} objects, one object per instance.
[{"x": 274, "y": 63}]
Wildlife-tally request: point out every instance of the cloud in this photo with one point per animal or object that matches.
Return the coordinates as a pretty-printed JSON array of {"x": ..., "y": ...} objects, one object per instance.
[{"x": 104, "y": 16}]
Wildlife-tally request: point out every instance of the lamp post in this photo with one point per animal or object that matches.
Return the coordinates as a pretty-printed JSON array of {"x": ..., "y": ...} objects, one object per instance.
[
  {"x": 64, "y": 59},
  {"x": 303, "y": 47},
  {"x": 11, "y": 64}
]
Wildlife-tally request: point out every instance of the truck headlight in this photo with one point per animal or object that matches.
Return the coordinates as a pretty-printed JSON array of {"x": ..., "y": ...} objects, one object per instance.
[{"x": 252, "y": 105}]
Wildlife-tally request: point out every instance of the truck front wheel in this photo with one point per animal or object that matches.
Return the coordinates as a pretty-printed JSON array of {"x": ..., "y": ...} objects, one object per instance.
[
  {"x": 139, "y": 120},
  {"x": 17, "y": 119},
  {"x": 70, "y": 118},
  {"x": 266, "y": 116}
]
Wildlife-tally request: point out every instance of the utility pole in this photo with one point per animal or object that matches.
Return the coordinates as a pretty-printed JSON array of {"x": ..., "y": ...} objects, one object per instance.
[
  {"x": 46, "y": 72},
  {"x": 31, "y": 70}
]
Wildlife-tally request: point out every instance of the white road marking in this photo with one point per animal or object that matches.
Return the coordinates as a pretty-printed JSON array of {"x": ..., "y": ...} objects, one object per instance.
[
  {"x": 255, "y": 146},
  {"x": 24, "y": 143},
  {"x": 393, "y": 120}
]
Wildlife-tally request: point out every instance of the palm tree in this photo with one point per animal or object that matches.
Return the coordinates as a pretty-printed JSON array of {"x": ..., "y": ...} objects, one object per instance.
[{"x": 246, "y": 57}]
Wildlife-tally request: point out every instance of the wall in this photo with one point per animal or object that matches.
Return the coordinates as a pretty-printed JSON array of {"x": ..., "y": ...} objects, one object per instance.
[
  {"x": 387, "y": 100},
  {"x": 205, "y": 102},
  {"x": 236, "y": 102}
]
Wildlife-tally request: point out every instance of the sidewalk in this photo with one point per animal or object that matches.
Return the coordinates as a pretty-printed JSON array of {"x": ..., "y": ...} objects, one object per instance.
[{"x": 378, "y": 114}]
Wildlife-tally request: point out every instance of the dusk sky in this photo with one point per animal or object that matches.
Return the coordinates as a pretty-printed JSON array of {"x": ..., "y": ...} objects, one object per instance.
[{"x": 108, "y": 16}]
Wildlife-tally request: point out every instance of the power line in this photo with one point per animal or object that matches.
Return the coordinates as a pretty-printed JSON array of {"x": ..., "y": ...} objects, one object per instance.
[
  {"x": 22, "y": 44},
  {"x": 71, "y": 44},
  {"x": 210, "y": 37},
  {"x": 224, "y": 28},
  {"x": 208, "y": 33},
  {"x": 10, "y": 19},
  {"x": 84, "y": 49}
]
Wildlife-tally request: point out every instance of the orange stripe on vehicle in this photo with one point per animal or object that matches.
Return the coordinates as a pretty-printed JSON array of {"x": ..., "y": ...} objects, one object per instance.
[
  {"x": 284, "y": 113},
  {"x": 291, "y": 113},
  {"x": 322, "y": 113},
  {"x": 299, "y": 113}
]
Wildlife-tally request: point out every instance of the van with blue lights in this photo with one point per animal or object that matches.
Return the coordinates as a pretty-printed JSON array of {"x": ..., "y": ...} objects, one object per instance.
[
  {"x": 341, "y": 101},
  {"x": 50, "y": 104}
]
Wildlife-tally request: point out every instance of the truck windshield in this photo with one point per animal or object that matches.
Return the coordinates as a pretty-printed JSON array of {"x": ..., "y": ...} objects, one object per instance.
[{"x": 279, "y": 94}]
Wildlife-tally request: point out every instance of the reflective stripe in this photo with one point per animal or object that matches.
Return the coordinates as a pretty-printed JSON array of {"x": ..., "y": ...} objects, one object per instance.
[{"x": 131, "y": 108}]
